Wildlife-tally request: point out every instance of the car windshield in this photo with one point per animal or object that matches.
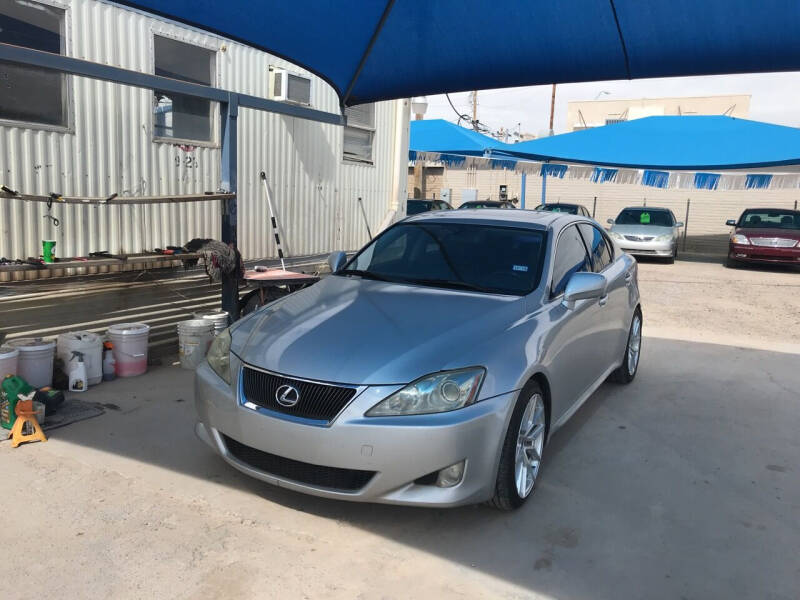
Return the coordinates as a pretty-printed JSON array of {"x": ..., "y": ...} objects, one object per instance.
[
  {"x": 767, "y": 218},
  {"x": 414, "y": 207},
  {"x": 483, "y": 258},
  {"x": 645, "y": 216},
  {"x": 570, "y": 209}
]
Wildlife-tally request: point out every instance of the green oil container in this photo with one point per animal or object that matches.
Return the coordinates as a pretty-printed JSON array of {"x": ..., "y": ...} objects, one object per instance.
[{"x": 12, "y": 386}]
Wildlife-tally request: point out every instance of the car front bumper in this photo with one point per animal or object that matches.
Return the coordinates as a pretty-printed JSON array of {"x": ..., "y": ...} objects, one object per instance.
[
  {"x": 764, "y": 254},
  {"x": 650, "y": 248},
  {"x": 398, "y": 450}
]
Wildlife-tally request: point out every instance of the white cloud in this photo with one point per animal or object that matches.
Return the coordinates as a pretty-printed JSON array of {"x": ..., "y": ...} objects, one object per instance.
[{"x": 774, "y": 99}]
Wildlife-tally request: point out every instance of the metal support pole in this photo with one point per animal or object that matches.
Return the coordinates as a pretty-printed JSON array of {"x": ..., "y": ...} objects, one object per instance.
[
  {"x": 230, "y": 281},
  {"x": 544, "y": 186},
  {"x": 523, "y": 183},
  {"x": 594, "y": 206},
  {"x": 364, "y": 214},
  {"x": 645, "y": 202},
  {"x": 795, "y": 204},
  {"x": 686, "y": 223}
]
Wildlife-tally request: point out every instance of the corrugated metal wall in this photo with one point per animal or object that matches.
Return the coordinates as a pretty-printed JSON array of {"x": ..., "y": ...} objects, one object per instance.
[
  {"x": 110, "y": 149},
  {"x": 706, "y": 231}
]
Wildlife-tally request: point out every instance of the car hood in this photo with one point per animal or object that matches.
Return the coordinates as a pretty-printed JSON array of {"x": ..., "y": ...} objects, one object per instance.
[
  {"x": 352, "y": 330},
  {"x": 641, "y": 230},
  {"x": 768, "y": 232}
]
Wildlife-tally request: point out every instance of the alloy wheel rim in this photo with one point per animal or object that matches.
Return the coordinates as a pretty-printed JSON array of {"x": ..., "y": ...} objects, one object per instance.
[
  {"x": 634, "y": 344},
  {"x": 530, "y": 442}
]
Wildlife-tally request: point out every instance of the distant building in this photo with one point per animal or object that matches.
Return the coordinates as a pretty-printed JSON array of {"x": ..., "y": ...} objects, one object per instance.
[{"x": 585, "y": 114}]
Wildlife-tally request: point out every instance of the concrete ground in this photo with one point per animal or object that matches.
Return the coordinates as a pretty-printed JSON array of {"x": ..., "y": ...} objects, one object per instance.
[{"x": 682, "y": 485}]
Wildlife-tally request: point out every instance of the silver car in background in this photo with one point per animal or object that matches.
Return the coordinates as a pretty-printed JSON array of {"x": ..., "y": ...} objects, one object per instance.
[
  {"x": 646, "y": 231},
  {"x": 431, "y": 368}
]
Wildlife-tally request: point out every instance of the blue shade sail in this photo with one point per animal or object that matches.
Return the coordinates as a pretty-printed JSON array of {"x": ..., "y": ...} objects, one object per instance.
[{"x": 372, "y": 50}]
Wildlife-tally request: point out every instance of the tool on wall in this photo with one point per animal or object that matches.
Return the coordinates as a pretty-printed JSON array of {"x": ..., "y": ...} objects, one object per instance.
[
  {"x": 364, "y": 214},
  {"x": 272, "y": 219}
]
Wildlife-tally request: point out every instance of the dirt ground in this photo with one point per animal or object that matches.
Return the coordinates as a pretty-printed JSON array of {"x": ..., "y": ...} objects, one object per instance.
[
  {"x": 700, "y": 299},
  {"x": 682, "y": 485}
]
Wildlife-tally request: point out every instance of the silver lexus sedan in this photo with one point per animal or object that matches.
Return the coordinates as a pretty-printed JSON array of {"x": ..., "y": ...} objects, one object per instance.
[{"x": 431, "y": 368}]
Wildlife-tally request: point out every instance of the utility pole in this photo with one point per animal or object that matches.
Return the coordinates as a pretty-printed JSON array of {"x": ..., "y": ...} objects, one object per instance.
[
  {"x": 475, "y": 110},
  {"x": 552, "y": 107}
]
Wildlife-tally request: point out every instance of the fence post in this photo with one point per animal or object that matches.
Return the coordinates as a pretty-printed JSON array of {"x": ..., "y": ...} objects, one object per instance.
[
  {"x": 645, "y": 202},
  {"x": 594, "y": 206},
  {"x": 686, "y": 223},
  {"x": 795, "y": 204}
]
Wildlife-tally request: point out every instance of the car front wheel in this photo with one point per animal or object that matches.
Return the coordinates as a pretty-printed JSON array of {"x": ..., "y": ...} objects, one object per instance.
[{"x": 521, "y": 457}]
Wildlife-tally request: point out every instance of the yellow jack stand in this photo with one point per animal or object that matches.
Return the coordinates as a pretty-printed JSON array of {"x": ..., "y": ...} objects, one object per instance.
[{"x": 26, "y": 414}]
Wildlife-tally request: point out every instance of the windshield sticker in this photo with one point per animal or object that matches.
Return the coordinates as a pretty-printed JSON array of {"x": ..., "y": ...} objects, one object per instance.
[
  {"x": 644, "y": 218},
  {"x": 522, "y": 268}
]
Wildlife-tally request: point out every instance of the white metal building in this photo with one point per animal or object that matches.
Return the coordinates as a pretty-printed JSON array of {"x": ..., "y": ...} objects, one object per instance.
[{"x": 76, "y": 136}]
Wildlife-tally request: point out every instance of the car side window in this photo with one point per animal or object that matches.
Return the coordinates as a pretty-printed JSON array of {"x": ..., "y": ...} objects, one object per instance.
[
  {"x": 570, "y": 258},
  {"x": 598, "y": 248}
]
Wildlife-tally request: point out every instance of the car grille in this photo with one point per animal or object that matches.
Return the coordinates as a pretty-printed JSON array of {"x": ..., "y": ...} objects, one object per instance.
[
  {"x": 317, "y": 401},
  {"x": 639, "y": 238},
  {"x": 773, "y": 242},
  {"x": 346, "y": 480}
]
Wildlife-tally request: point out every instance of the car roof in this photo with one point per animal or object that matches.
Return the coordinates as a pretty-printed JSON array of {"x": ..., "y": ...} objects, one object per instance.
[
  {"x": 560, "y": 204},
  {"x": 647, "y": 208},
  {"x": 778, "y": 208},
  {"x": 533, "y": 219}
]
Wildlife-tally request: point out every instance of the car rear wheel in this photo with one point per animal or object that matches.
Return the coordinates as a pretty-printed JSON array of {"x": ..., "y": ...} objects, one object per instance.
[
  {"x": 626, "y": 372},
  {"x": 521, "y": 458}
]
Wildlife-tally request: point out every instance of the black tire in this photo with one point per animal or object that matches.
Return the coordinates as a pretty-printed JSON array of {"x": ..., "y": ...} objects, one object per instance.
[
  {"x": 622, "y": 373},
  {"x": 506, "y": 496},
  {"x": 670, "y": 260},
  {"x": 732, "y": 264}
]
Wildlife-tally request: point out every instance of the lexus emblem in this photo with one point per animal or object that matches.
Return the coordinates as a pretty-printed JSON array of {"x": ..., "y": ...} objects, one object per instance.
[{"x": 287, "y": 395}]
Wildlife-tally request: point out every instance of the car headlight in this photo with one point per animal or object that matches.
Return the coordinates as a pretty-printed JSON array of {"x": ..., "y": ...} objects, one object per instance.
[
  {"x": 436, "y": 393},
  {"x": 738, "y": 238},
  {"x": 615, "y": 235},
  {"x": 219, "y": 355},
  {"x": 664, "y": 238}
]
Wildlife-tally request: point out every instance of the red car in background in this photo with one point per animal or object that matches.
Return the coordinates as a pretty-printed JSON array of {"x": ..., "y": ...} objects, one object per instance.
[{"x": 765, "y": 235}]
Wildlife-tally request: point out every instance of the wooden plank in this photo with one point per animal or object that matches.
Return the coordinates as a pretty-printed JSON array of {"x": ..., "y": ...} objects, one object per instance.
[
  {"x": 114, "y": 200},
  {"x": 99, "y": 262}
]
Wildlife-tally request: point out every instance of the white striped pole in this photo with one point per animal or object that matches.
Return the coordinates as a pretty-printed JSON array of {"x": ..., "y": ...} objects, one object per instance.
[{"x": 272, "y": 219}]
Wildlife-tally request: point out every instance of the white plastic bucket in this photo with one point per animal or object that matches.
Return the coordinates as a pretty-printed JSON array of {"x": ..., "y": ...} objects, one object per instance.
[
  {"x": 218, "y": 317},
  {"x": 35, "y": 362},
  {"x": 87, "y": 343},
  {"x": 194, "y": 338},
  {"x": 130, "y": 347},
  {"x": 8, "y": 361}
]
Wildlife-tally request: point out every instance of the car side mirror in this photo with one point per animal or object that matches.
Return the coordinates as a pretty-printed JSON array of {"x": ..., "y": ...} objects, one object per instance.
[
  {"x": 610, "y": 221},
  {"x": 583, "y": 286},
  {"x": 336, "y": 260},
  {"x": 679, "y": 224},
  {"x": 731, "y": 222}
]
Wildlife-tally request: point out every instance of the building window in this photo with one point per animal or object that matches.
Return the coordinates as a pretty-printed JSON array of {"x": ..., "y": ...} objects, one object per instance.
[
  {"x": 359, "y": 133},
  {"x": 177, "y": 116},
  {"x": 30, "y": 94}
]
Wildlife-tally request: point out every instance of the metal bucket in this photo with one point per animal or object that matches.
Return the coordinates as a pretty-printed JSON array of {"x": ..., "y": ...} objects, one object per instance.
[
  {"x": 194, "y": 338},
  {"x": 218, "y": 317}
]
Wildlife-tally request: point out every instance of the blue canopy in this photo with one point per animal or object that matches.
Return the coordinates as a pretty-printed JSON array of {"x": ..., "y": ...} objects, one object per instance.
[
  {"x": 378, "y": 50},
  {"x": 443, "y": 137},
  {"x": 673, "y": 143}
]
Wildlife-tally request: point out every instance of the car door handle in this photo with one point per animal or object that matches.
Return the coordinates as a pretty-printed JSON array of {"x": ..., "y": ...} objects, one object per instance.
[
  {"x": 602, "y": 301},
  {"x": 628, "y": 276}
]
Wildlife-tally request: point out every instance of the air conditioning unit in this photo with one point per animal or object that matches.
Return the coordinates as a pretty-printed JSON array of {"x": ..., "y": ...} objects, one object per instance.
[{"x": 287, "y": 86}]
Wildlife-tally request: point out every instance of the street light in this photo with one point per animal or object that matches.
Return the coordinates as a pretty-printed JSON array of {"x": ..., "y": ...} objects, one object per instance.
[{"x": 419, "y": 107}]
